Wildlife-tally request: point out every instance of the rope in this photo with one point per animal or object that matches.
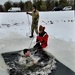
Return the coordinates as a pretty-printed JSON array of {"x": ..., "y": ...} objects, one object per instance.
[
  {"x": 28, "y": 22},
  {"x": 28, "y": 18},
  {"x": 31, "y": 42}
]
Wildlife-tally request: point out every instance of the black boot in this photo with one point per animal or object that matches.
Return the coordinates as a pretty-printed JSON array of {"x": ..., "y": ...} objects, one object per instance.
[{"x": 31, "y": 35}]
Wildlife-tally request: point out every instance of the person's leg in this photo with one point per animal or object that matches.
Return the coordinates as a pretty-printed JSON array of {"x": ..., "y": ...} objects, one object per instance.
[
  {"x": 36, "y": 29},
  {"x": 37, "y": 46},
  {"x": 32, "y": 30}
]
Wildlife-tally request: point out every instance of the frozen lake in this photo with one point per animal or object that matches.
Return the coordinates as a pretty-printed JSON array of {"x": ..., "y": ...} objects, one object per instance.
[{"x": 15, "y": 29}]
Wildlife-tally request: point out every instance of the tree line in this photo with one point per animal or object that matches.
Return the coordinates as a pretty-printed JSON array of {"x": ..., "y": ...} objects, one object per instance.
[{"x": 42, "y": 5}]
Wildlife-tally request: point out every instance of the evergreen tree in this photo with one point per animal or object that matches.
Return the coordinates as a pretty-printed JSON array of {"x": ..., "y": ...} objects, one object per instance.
[
  {"x": 15, "y": 4},
  {"x": 48, "y": 5},
  {"x": 38, "y": 5},
  {"x": 7, "y": 5},
  {"x": 56, "y": 4},
  {"x": 28, "y": 6},
  {"x": 34, "y": 2},
  {"x": 63, "y": 3},
  {"x": 1, "y": 8},
  {"x": 43, "y": 6},
  {"x": 52, "y": 5},
  {"x": 21, "y": 5}
]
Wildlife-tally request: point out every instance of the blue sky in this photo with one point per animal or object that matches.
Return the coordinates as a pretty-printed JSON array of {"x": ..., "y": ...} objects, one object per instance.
[{"x": 3, "y": 1}]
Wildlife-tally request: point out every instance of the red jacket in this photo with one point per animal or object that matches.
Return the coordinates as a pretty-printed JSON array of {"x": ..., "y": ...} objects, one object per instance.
[{"x": 43, "y": 39}]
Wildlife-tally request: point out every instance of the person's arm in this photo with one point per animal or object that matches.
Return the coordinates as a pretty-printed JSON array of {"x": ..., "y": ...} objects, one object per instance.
[
  {"x": 21, "y": 54},
  {"x": 37, "y": 39},
  {"x": 29, "y": 13},
  {"x": 44, "y": 41}
]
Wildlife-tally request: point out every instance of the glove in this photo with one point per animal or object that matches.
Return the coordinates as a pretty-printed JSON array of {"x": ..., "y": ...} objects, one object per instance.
[{"x": 37, "y": 46}]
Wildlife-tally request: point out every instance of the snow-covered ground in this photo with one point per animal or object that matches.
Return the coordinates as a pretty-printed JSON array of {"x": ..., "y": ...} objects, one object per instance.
[{"x": 60, "y": 25}]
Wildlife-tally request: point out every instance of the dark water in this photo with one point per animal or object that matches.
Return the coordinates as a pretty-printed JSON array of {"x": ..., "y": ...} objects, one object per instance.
[
  {"x": 16, "y": 69},
  {"x": 62, "y": 70}
]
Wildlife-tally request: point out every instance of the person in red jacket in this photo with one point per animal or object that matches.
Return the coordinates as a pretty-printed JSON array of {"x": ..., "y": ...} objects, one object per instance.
[
  {"x": 42, "y": 38},
  {"x": 41, "y": 44}
]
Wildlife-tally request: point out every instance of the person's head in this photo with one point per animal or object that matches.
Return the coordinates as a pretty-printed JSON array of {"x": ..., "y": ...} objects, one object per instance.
[
  {"x": 34, "y": 8},
  {"x": 41, "y": 29},
  {"x": 26, "y": 52}
]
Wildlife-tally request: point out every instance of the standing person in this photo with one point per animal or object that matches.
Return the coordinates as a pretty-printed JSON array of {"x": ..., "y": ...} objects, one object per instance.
[{"x": 35, "y": 19}]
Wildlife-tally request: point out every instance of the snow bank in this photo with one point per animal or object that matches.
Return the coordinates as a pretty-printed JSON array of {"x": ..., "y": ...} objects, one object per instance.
[
  {"x": 63, "y": 51},
  {"x": 3, "y": 67}
]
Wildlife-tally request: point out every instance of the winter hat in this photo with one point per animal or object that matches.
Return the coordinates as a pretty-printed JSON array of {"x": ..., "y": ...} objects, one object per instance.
[{"x": 41, "y": 28}]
